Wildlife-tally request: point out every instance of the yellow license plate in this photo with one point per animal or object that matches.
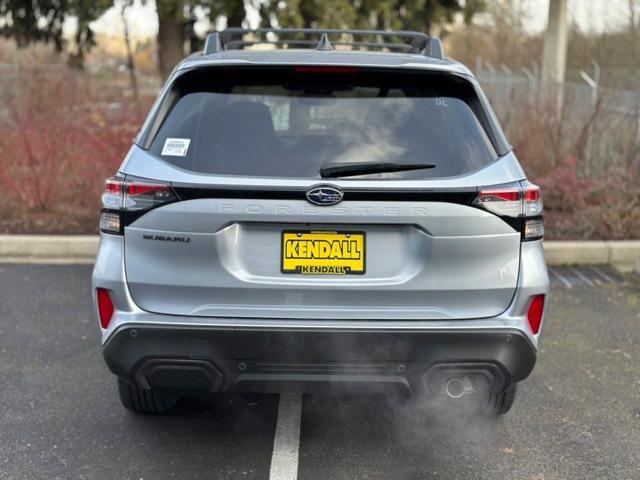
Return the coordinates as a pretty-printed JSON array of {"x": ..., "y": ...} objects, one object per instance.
[{"x": 323, "y": 253}]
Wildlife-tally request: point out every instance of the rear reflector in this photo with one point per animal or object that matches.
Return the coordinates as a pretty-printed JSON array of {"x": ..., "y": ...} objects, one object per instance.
[
  {"x": 534, "y": 315},
  {"x": 105, "y": 307}
]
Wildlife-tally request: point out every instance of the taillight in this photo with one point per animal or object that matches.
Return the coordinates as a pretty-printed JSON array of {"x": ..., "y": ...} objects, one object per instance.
[
  {"x": 112, "y": 196},
  {"x": 501, "y": 202},
  {"x": 146, "y": 195},
  {"x": 121, "y": 196},
  {"x": 105, "y": 307},
  {"x": 517, "y": 203},
  {"x": 532, "y": 201},
  {"x": 534, "y": 314}
]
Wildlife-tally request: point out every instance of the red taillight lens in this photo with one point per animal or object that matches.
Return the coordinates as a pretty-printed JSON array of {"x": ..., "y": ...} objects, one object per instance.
[
  {"x": 144, "y": 195},
  {"x": 112, "y": 195},
  {"x": 105, "y": 307},
  {"x": 534, "y": 315},
  {"x": 516, "y": 203},
  {"x": 134, "y": 189},
  {"x": 532, "y": 194},
  {"x": 113, "y": 185},
  {"x": 500, "y": 195},
  {"x": 501, "y": 202},
  {"x": 532, "y": 201}
]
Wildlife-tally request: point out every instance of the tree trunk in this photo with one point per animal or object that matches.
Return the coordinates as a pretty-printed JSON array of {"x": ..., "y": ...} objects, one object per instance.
[
  {"x": 170, "y": 36},
  {"x": 130, "y": 63},
  {"x": 235, "y": 13}
]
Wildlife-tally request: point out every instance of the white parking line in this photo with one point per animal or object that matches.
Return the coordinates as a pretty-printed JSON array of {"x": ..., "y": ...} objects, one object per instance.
[
  {"x": 566, "y": 282},
  {"x": 284, "y": 461},
  {"x": 586, "y": 279},
  {"x": 602, "y": 274}
]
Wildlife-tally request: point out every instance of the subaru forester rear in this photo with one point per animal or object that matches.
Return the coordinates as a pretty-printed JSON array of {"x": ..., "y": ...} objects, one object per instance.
[{"x": 320, "y": 219}]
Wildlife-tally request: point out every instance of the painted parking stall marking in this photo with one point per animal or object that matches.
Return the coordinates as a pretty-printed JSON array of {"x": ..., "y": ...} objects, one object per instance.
[
  {"x": 286, "y": 443},
  {"x": 590, "y": 276},
  {"x": 582, "y": 276},
  {"x": 554, "y": 274}
]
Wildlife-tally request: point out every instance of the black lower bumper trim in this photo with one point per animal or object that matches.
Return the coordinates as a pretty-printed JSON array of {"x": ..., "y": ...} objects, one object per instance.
[{"x": 216, "y": 359}]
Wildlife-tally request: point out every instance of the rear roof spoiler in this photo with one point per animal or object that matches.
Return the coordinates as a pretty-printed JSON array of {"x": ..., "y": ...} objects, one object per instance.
[{"x": 319, "y": 39}]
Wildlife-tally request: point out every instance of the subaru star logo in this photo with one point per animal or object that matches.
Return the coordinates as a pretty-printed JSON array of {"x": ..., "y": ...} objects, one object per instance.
[{"x": 324, "y": 195}]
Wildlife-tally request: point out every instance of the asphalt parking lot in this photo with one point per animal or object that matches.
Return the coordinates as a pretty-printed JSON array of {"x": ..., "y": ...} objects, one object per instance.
[{"x": 577, "y": 416}]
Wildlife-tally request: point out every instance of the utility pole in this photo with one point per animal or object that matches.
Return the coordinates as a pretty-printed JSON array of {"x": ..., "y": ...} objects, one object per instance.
[{"x": 554, "y": 58}]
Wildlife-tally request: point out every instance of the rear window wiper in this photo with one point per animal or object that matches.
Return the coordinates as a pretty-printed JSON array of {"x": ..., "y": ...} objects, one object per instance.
[{"x": 333, "y": 170}]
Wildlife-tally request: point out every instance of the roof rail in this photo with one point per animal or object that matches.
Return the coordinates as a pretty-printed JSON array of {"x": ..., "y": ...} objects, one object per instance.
[
  {"x": 403, "y": 41},
  {"x": 212, "y": 44}
]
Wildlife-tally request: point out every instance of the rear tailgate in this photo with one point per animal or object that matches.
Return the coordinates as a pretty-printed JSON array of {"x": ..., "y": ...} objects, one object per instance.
[{"x": 425, "y": 259}]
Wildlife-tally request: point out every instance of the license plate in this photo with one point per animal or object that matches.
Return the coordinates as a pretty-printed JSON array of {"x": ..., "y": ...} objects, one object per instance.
[{"x": 323, "y": 253}]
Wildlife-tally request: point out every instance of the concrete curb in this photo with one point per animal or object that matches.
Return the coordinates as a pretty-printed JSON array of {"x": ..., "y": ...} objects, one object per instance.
[
  {"x": 622, "y": 254},
  {"x": 48, "y": 248}
]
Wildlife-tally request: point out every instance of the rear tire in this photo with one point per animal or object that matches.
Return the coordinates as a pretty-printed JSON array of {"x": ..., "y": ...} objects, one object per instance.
[
  {"x": 140, "y": 400},
  {"x": 504, "y": 401}
]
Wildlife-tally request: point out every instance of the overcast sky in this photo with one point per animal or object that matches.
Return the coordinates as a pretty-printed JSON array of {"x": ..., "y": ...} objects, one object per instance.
[{"x": 590, "y": 15}]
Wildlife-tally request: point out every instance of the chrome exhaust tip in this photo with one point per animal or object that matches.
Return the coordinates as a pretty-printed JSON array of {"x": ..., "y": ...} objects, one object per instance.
[{"x": 457, "y": 387}]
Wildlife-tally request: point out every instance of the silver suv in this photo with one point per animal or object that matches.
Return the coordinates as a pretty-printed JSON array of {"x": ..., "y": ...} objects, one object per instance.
[{"x": 341, "y": 214}]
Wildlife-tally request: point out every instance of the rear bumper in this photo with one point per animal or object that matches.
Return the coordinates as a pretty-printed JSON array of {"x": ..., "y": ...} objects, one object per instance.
[{"x": 214, "y": 359}]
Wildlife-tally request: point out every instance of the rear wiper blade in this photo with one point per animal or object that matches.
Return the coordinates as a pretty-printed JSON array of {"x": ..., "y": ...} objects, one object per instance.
[{"x": 333, "y": 170}]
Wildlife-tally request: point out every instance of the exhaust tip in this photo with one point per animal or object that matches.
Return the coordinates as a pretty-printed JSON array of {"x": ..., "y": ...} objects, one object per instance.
[
  {"x": 454, "y": 387},
  {"x": 455, "y": 381}
]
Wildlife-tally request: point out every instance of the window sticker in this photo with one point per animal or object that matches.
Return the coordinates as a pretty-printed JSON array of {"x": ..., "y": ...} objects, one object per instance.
[{"x": 176, "y": 147}]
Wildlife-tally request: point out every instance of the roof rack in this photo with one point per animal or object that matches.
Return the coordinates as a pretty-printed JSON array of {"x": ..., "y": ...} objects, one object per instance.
[{"x": 399, "y": 41}]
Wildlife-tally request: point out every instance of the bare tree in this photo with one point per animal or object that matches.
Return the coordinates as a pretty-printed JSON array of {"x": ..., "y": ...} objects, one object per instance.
[
  {"x": 633, "y": 34},
  {"x": 130, "y": 63}
]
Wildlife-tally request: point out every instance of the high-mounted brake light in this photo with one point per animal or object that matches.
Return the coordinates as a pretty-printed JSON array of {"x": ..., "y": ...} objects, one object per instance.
[
  {"x": 105, "y": 307},
  {"x": 324, "y": 69},
  {"x": 534, "y": 314},
  {"x": 130, "y": 196},
  {"x": 523, "y": 202}
]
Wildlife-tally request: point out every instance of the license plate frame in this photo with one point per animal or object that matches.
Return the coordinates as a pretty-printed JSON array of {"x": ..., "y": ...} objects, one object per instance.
[{"x": 297, "y": 260}]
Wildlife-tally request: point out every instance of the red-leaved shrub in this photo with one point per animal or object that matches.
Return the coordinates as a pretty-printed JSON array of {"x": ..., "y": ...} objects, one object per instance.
[{"x": 60, "y": 138}]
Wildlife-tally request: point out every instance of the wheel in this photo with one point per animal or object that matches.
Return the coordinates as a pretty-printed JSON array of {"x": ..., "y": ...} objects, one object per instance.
[
  {"x": 504, "y": 401},
  {"x": 139, "y": 400}
]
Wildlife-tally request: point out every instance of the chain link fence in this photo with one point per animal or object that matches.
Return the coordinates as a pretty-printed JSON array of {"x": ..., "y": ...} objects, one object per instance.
[
  {"x": 601, "y": 124},
  {"x": 108, "y": 80}
]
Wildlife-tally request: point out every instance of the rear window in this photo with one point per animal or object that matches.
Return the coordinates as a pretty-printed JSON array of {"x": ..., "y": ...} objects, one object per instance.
[{"x": 291, "y": 123}]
